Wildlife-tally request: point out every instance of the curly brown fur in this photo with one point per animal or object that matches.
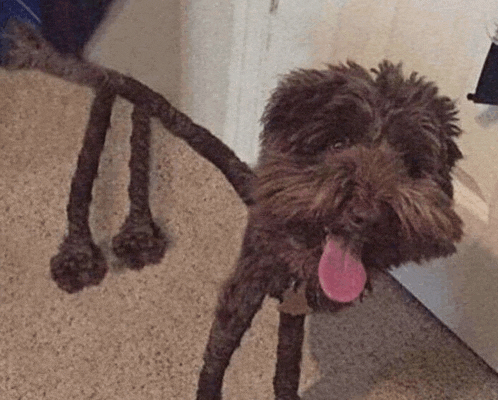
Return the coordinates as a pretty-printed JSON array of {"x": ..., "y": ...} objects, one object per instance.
[
  {"x": 80, "y": 262},
  {"x": 26, "y": 48},
  {"x": 140, "y": 241},
  {"x": 358, "y": 159}
]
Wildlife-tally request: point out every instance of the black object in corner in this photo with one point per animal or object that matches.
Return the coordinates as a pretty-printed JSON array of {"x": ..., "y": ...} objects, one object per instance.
[
  {"x": 487, "y": 86},
  {"x": 69, "y": 24}
]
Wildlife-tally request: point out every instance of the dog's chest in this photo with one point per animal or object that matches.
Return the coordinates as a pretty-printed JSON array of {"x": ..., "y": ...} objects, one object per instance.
[{"x": 300, "y": 256}]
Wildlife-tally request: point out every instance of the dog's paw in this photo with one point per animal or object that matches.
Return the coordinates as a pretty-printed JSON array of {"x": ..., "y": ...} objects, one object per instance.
[
  {"x": 78, "y": 265},
  {"x": 137, "y": 246}
]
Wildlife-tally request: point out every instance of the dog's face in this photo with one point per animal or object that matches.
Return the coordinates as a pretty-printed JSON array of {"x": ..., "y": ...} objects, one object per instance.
[{"x": 364, "y": 160}]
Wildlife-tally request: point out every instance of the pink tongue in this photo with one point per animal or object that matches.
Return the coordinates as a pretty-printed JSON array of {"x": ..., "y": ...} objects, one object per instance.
[{"x": 342, "y": 276}]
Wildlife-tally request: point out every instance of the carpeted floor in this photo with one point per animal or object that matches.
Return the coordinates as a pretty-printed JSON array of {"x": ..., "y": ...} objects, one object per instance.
[{"x": 140, "y": 335}]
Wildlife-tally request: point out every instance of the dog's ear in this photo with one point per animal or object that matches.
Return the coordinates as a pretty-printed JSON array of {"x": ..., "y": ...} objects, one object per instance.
[
  {"x": 298, "y": 96},
  {"x": 312, "y": 109},
  {"x": 447, "y": 112},
  {"x": 416, "y": 92},
  {"x": 454, "y": 153}
]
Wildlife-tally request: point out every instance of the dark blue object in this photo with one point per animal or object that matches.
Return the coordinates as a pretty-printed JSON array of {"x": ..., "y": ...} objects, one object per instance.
[
  {"x": 23, "y": 10},
  {"x": 487, "y": 86},
  {"x": 69, "y": 24}
]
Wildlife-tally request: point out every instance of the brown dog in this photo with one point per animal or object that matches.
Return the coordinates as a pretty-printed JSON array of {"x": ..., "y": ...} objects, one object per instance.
[{"x": 353, "y": 178}]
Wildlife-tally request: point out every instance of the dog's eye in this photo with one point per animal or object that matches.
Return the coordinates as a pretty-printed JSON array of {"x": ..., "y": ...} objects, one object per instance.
[{"x": 340, "y": 144}]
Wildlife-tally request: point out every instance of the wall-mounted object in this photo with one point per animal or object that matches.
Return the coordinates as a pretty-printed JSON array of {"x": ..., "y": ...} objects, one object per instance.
[{"x": 487, "y": 86}]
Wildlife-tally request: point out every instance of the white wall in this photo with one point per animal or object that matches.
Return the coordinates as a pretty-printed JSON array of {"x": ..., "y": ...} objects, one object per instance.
[
  {"x": 143, "y": 39},
  {"x": 207, "y": 39},
  {"x": 180, "y": 48}
]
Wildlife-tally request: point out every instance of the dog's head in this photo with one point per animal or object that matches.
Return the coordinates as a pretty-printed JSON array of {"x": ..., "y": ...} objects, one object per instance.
[{"x": 365, "y": 159}]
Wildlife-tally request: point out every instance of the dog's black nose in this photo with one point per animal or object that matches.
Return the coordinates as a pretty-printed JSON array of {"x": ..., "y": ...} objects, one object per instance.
[
  {"x": 361, "y": 217},
  {"x": 358, "y": 221}
]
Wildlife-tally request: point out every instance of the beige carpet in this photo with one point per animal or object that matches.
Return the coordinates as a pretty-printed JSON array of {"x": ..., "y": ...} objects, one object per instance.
[{"x": 140, "y": 335}]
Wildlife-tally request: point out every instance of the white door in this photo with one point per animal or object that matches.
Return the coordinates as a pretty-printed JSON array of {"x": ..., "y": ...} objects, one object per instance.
[{"x": 442, "y": 39}]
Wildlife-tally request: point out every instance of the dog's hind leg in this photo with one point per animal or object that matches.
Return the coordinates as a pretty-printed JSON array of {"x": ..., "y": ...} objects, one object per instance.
[
  {"x": 140, "y": 240},
  {"x": 289, "y": 352},
  {"x": 240, "y": 299},
  {"x": 80, "y": 262}
]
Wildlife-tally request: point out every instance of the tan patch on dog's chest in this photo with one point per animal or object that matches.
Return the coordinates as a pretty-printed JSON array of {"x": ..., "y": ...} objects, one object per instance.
[{"x": 295, "y": 302}]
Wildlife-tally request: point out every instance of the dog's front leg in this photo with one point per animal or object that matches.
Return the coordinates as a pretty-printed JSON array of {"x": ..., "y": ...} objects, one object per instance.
[
  {"x": 240, "y": 299},
  {"x": 289, "y": 352}
]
